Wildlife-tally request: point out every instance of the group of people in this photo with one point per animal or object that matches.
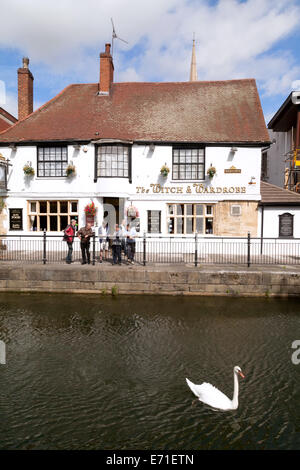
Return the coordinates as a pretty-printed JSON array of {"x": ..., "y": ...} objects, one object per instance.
[{"x": 122, "y": 239}]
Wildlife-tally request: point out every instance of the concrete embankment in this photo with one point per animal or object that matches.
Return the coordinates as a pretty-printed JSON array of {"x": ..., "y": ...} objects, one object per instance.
[{"x": 164, "y": 279}]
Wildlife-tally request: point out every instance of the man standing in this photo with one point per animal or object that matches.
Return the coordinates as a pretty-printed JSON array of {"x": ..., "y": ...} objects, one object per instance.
[
  {"x": 84, "y": 234},
  {"x": 131, "y": 234},
  {"x": 69, "y": 234}
]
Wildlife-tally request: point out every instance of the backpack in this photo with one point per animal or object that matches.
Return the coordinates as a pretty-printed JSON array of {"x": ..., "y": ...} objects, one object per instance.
[{"x": 66, "y": 237}]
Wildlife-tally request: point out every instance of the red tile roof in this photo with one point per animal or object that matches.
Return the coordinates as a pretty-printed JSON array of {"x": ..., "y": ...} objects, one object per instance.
[
  {"x": 208, "y": 112},
  {"x": 6, "y": 119},
  {"x": 273, "y": 195}
]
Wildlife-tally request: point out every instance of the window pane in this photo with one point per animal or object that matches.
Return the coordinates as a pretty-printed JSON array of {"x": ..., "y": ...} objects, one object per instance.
[
  {"x": 63, "y": 206},
  {"x": 33, "y": 207},
  {"x": 189, "y": 209},
  {"x": 53, "y": 223},
  {"x": 43, "y": 222},
  {"x": 189, "y": 225},
  {"x": 73, "y": 206},
  {"x": 63, "y": 221},
  {"x": 171, "y": 225},
  {"x": 43, "y": 206},
  {"x": 208, "y": 225},
  {"x": 179, "y": 224},
  {"x": 53, "y": 207},
  {"x": 171, "y": 209},
  {"x": 199, "y": 224},
  {"x": 199, "y": 209}
]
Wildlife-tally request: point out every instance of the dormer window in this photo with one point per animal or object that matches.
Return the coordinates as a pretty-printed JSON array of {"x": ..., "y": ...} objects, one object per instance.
[
  {"x": 113, "y": 161},
  {"x": 52, "y": 161}
]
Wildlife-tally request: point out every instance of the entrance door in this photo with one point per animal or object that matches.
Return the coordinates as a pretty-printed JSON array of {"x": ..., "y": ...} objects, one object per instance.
[{"x": 113, "y": 211}]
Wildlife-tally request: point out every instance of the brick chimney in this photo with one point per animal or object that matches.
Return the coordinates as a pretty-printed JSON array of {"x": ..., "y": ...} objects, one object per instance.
[
  {"x": 106, "y": 70},
  {"x": 25, "y": 90}
]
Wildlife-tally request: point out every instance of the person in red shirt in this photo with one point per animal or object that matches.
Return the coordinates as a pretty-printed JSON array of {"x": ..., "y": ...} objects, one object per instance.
[{"x": 69, "y": 234}]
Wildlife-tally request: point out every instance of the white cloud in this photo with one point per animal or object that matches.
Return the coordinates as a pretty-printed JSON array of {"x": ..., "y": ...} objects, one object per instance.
[
  {"x": 235, "y": 39},
  {"x": 9, "y": 102}
]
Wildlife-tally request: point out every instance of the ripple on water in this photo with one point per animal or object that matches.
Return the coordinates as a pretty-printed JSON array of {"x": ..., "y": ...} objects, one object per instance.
[{"x": 110, "y": 373}]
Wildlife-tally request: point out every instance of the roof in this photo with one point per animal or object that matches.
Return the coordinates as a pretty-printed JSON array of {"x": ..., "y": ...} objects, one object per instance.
[
  {"x": 274, "y": 195},
  {"x": 208, "y": 112},
  {"x": 286, "y": 116},
  {"x": 6, "y": 119}
]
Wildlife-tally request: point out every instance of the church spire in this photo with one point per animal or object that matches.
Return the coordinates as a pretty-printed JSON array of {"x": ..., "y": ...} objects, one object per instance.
[{"x": 193, "y": 72}]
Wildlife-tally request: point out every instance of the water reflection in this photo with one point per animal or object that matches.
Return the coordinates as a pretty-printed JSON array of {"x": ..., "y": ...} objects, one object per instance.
[{"x": 94, "y": 372}]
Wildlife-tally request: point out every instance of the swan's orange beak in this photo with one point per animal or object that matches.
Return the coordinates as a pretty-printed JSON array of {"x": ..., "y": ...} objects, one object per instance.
[{"x": 241, "y": 374}]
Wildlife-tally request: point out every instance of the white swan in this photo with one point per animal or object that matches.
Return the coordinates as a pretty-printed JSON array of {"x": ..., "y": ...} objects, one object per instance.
[{"x": 210, "y": 395}]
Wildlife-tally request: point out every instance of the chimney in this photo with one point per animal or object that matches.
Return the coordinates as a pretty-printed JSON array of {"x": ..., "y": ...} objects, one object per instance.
[
  {"x": 25, "y": 90},
  {"x": 106, "y": 71}
]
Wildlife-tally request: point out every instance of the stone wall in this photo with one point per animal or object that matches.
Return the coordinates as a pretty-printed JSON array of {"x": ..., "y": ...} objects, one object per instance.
[
  {"x": 226, "y": 224},
  {"x": 139, "y": 280}
]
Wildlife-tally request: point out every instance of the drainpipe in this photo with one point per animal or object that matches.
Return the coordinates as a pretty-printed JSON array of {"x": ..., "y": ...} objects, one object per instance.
[{"x": 262, "y": 230}]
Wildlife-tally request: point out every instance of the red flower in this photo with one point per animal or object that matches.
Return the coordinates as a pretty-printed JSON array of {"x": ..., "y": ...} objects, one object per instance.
[{"x": 90, "y": 209}]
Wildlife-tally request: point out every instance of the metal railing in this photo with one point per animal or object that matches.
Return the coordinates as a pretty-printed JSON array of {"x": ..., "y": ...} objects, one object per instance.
[{"x": 192, "y": 250}]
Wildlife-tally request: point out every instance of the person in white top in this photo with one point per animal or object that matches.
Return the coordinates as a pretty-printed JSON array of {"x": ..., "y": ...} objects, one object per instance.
[
  {"x": 103, "y": 240},
  {"x": 131, "y": 234}
]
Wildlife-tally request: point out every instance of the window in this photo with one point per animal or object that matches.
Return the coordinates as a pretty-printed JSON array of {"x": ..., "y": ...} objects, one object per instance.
[
  {"x": 53, "y": 216},
  {"x": 52, "y": 161},
  {"x": 235, "y": 210},
  {"x": 264, "y": 166},
  {"x": 112, "y": 161},
  {"x": 3, "y": 173},
  {"x": 190, "y": 218},
  {"x": 154, "y": 221},
  {"x": 188, "y": 164},
  {"x": 286, "y": 225}
]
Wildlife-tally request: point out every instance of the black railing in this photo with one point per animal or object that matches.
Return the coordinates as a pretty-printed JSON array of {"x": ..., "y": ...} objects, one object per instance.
[{"x": 194, "y": 250}]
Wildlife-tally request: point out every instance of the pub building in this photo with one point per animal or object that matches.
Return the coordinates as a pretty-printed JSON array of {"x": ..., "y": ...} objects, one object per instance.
[{"x": 175, "y": 158}]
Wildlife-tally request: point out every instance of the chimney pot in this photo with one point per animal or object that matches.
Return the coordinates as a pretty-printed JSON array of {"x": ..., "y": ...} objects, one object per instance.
[{"x": 25, "y": 62}]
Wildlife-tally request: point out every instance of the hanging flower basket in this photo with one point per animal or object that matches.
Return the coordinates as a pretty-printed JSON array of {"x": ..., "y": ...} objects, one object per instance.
[
  {"x": 132, "y": 212},
  {"x": 28, "y": 170},
  {"x": 164, "y": 171},
  {"x": 211, "y": 171},
  {"x": 70, "y": 170},
  {"x": 90, "y": 209}
]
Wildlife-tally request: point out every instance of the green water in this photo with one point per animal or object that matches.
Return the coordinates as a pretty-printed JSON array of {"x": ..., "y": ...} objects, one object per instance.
[{"x": 94, "y": 372}]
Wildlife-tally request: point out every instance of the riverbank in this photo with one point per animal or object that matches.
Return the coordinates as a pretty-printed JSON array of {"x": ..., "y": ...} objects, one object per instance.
[{"x": 173, "y": 279}]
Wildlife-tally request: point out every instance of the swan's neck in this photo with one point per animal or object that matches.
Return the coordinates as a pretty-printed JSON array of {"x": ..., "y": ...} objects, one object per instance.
[{"x": 235, "y": 399}]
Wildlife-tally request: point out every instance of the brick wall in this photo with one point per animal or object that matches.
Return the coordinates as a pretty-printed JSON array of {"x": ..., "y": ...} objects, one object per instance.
[
  {"x": 106, "y": 70},
  {"x": 25, "y": 93}
]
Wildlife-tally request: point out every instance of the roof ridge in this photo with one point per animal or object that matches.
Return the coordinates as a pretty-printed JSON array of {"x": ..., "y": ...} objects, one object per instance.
[{"x": 196, "y": 82}]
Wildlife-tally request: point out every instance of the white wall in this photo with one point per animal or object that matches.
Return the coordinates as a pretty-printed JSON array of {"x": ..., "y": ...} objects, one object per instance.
[
  {"x": 271, "y": 220},
  {"x": 146, "y": 165}
]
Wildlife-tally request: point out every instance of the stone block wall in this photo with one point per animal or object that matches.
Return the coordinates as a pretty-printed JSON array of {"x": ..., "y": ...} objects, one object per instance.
[{"x": 226, "y": 224}]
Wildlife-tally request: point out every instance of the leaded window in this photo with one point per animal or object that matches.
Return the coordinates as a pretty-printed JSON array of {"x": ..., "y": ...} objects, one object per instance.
[
  {"x": 188, "y": 164},
  {"x": 112, "y": 161},
  {"x": 52, "y": 161},
  {"x": 186, "y": 219}
]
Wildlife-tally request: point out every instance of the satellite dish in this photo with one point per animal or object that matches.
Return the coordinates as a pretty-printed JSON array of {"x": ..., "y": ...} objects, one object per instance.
[{"x": 115, "y": 36}]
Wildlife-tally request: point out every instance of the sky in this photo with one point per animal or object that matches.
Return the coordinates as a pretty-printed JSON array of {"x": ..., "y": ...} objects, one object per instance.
[{"x": 234, "y": 39}]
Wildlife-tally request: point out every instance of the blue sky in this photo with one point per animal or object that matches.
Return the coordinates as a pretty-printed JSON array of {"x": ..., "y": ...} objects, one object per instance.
[{"x": 234, "y": 39}]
